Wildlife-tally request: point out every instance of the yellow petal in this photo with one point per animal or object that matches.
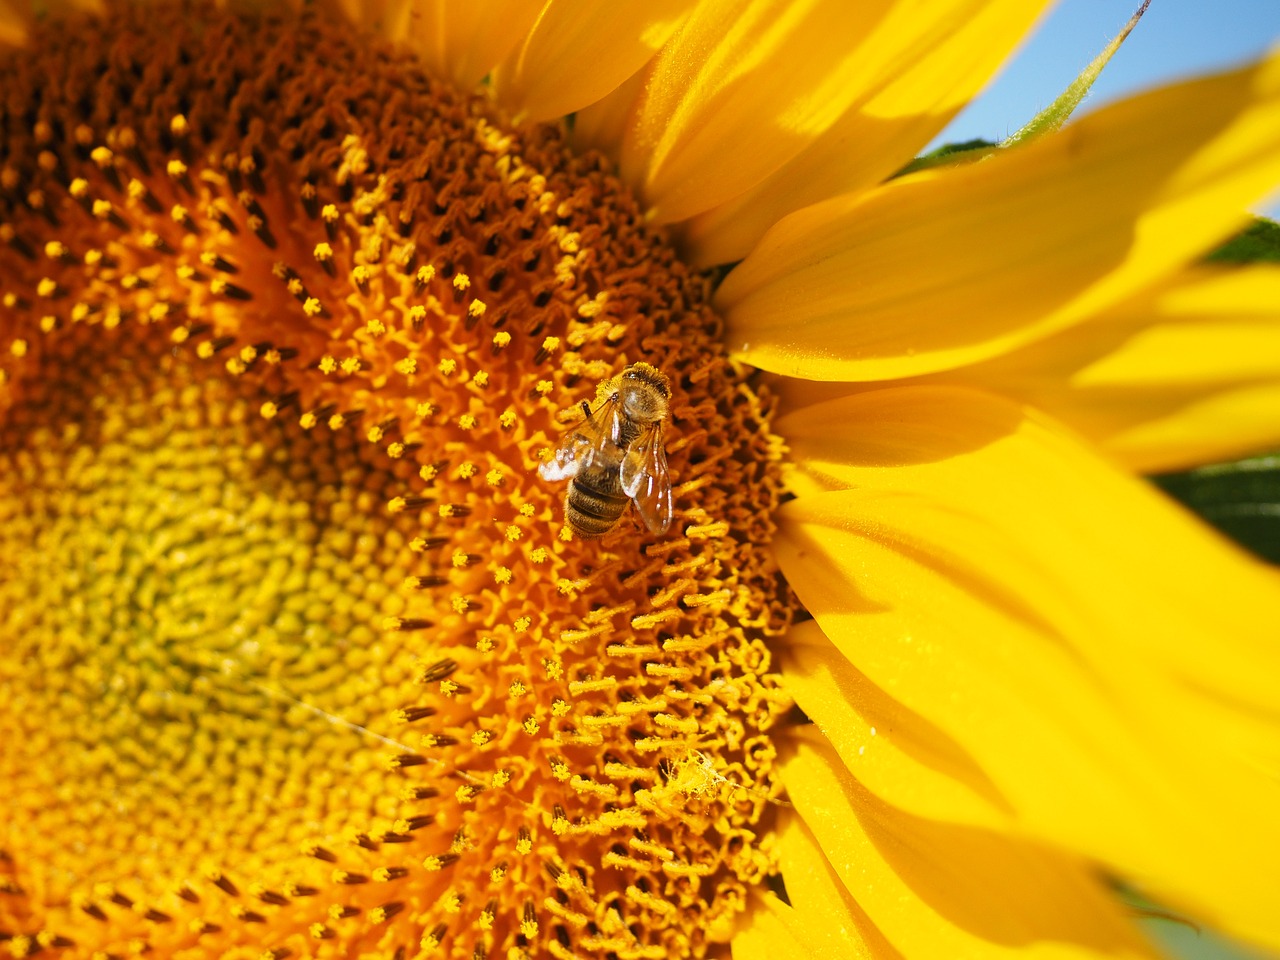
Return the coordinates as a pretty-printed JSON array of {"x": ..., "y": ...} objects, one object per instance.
[
  {"x": 1227, "y": 424},
  {"x": 768, "y": 935},
  {"x": 918, "y": 71},
  {"x": 1179, "y": 376},
  {"x": 462, "y": 42},
  {"x": 937, "y": 889},
  {"x": 952, "y": 266},
  {"x": 822, "y": 904},
  {"x": 740, "y": 89},
  {"x": 580, "y": 50},
  {"x": 776, "y": 931},
  {"x": 898, "y": 754},
  {"x": 603, "y": 125},
  {"x": 1103, "y": 658}
]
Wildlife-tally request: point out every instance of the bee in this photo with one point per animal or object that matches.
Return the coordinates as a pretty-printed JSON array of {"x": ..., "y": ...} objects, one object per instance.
[{"x": 617, "y": 454}]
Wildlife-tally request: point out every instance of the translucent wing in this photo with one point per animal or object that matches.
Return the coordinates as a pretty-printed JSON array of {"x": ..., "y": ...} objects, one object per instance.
[
  {"x": 645, "y": 479},
  {"x": 583, "y": 443}
]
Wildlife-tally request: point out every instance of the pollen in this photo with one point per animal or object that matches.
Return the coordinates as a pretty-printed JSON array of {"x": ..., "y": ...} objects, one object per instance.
[{"x": 298, "y": 656}]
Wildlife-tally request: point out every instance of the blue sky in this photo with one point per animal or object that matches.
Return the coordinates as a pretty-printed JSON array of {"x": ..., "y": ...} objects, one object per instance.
[{"x": 1174, "y": 39}]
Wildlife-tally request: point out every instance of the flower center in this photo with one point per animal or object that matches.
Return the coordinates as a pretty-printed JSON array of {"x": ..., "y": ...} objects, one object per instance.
[
  {"x": 297, "y": 645},
  {"x": 171, "y": 562}
]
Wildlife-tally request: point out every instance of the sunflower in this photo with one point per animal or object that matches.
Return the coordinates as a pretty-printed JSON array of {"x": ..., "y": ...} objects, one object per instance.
[{"x": 301, "y": 656}]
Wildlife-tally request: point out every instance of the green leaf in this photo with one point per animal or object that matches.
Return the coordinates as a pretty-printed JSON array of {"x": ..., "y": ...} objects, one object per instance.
[
  {"x": 950, "y": 153},
  {"x": 1242, "y": 499},
  {"x": 1052, "y": 117},
  {"x": 1049, "y": 119},
  {"x": 1257, "y": 243}
]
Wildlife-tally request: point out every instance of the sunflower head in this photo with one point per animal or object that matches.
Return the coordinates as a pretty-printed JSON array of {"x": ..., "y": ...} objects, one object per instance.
[{"x": 301, "y": 650}]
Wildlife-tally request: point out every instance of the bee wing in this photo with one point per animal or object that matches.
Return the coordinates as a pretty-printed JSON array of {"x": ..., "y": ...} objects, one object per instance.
[
  {"x": 645, "y": 479},
  {"x": 583, "y": 442}
]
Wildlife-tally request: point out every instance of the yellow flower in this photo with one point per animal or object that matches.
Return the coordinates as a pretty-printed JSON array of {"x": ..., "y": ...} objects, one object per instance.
[{"x": 299, "y": 655}]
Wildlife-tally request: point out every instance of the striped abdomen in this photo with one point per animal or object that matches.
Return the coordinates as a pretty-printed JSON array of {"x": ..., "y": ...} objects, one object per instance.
[{"x": 594, "y": 501}]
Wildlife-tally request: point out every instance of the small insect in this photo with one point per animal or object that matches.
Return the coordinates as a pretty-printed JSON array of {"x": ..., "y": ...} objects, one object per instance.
[{"x": 617, "y": 454}]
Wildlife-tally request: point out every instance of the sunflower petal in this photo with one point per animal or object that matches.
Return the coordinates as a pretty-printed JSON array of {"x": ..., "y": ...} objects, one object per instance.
[
  {"x": 821, "y": 903},
  {"x": 937, "y": 889},
  {"x": 917, "y": 73},
  {"x": 952, "y": 266},
  {"x": 1106, "y": 661},
  {"x": 580, "y": 50},
  {"x": 462, "y": 42},
  {"x": 603, "y": 125},
  {"x": 770, "y": 933},
  {"x": 777, "y": 931},
  {"x": 896, "y": 753},
  {"x": 1180, "y": 376},
  {"x": 713, "y": 121}
]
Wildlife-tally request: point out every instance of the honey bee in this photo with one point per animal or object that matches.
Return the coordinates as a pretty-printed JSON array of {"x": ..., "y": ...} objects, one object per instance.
[{"x": 617, "y": 454}]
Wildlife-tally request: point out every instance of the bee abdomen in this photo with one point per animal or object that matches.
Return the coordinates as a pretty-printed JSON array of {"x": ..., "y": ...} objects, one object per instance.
[{"x": 591, "y": 513}]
